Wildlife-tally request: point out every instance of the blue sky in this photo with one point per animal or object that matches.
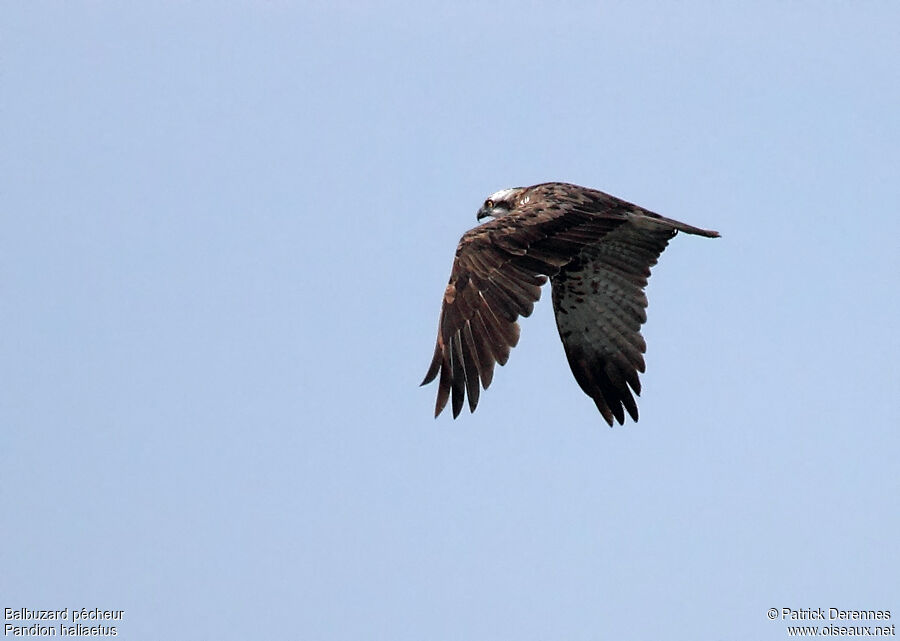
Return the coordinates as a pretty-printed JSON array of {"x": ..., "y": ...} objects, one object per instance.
[{"x": 227, "y": 231}]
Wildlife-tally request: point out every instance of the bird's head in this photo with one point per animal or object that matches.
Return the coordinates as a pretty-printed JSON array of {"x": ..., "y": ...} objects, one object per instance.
[{"x": 500, "y": 203}]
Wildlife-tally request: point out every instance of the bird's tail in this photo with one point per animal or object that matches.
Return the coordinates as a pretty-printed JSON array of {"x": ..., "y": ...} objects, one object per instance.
[{"x": 646, "y": 218}]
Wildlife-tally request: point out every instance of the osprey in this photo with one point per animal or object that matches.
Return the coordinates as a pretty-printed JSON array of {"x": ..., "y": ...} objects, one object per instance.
[{"x": 597, "y": 251}]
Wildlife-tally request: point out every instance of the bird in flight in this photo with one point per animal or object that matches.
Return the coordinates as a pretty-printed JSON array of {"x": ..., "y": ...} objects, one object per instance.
[{"x": 597, "y": 251}]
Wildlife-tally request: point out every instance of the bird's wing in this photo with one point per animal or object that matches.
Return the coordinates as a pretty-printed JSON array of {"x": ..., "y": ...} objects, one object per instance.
[
  {"x": 600, "y": 306},
  {"x": 497, "y": 275}
]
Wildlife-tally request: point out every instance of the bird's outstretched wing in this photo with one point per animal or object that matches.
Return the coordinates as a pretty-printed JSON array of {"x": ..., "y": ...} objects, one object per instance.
[
  {"x": 497, "y": 274},
  {"x": 600, "y": 305}
]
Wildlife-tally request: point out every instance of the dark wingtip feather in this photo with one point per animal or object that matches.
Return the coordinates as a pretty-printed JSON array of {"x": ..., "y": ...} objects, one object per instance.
[
  {"x": 435, "y": 366},
  {"x": 443, "y": 394},
  {"x": 470, "y": 362},
  {"x": 457, "y": 375},
  {"x": 631, "y": 406},
  {"x": 457, "y": 402},
  {"x": 618, "y": 412},
  {"x": 604, "y": 410}
]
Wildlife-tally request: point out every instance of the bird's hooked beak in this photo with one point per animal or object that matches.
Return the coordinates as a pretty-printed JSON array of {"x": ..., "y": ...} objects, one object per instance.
[{"x": 484, "y": 212}]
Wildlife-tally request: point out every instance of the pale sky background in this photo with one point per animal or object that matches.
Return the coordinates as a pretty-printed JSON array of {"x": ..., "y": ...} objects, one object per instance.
[{"x": 226, "y": 232}]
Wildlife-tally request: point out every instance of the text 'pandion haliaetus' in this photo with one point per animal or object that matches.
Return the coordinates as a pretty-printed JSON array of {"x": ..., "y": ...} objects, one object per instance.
[{"x": 597, "y": 251}]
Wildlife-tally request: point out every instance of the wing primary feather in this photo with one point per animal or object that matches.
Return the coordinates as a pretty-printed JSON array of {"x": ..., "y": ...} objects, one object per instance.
[
  {"x": 443, "y": 385},
  {"x": 457, "y": 375},
  {"x": 620, "y": 390},
  {"x": 603, "y": 408},
  {"x": 470, "y": 361},
  {"x": 435, "y": 364},
  {"x": 631, "y": 377},
  {"x": 482, "y": 338}
]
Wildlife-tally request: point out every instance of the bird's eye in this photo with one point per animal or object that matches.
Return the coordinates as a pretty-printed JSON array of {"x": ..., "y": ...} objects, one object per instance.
[{"x": 489, "y": 203}]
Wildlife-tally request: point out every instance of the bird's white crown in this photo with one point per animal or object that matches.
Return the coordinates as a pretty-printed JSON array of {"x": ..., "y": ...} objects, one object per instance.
[{"x": 503, "y": 194}]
